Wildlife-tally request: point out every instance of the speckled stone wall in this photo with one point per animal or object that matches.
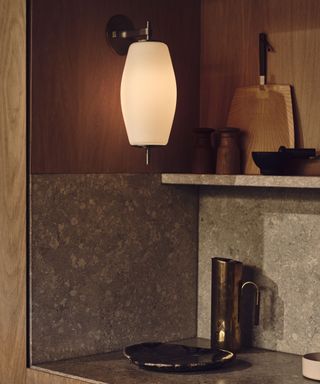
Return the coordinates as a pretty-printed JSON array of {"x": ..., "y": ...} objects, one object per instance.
[
  {"x": 114, "y": 262},
  {"x": 276, "y": 234}
]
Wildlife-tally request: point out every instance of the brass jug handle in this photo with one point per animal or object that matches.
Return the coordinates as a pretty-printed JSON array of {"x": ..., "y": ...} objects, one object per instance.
[{"x": 257, "y": 301}]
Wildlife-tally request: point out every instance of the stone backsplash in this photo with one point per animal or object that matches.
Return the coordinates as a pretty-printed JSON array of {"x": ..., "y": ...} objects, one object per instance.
[
  {"x": 276, "y": 234},
  {"x": 114, "y": 262}
]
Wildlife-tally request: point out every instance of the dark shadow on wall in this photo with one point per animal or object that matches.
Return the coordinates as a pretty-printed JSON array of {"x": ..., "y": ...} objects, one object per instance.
[{"x": 271, "y": 316}]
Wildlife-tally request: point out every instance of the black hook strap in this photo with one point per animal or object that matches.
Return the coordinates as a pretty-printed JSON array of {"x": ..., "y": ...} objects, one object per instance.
[{"x": 264, "y": 47}]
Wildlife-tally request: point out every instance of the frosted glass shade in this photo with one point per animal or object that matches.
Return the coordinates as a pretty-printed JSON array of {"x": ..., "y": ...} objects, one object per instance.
[{"x": 148, "y": 93}]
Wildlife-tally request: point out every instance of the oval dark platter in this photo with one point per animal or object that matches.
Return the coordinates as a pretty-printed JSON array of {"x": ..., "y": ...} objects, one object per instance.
[{"x": 176, "y": 358}]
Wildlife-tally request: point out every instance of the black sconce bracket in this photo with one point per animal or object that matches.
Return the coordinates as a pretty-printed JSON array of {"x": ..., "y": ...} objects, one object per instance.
[{"x": 120, "y": 33}]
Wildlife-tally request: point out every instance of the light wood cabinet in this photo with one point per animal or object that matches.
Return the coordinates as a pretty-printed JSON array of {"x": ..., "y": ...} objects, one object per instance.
[
  {"x": 295, "y": 29},
  {"x": 12, "y": 191}
]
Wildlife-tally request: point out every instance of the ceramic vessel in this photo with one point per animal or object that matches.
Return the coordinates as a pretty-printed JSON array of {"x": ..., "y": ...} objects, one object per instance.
[
  {"x": 204, "y": 154},
  {"x": 226, "y": 293},
  {"x": 311, "y": 366},
  {"x": 228, "y": 154}
]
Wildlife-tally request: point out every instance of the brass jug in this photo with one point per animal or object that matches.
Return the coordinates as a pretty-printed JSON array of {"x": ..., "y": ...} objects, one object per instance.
[{"x": 227, "y": 287}]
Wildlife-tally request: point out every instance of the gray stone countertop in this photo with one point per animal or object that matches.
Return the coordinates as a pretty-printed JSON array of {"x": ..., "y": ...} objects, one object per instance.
[
  {"x": 254, "y": 366},
  {"x": 242, "y": 180}
]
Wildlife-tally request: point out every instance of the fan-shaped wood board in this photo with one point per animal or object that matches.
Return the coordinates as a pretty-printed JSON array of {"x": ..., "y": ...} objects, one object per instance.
[{"x": 264, "y": 115}]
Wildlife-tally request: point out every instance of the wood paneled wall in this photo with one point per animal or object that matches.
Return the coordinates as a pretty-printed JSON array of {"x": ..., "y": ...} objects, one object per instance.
[
  {"x": 77, "y": 125},
  {"x": 12, "y": 192},
  {"x": 37, "y": 376},
  {"x": 229, "y": 56}
]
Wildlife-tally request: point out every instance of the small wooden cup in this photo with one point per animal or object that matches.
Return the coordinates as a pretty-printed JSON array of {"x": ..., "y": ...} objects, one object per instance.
[
  {"x": 228, "y": 154},
  {"x": 204, "y": 158}
]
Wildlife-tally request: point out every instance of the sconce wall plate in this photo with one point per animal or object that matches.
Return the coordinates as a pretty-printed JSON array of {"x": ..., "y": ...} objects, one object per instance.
[
  {"x": 118, "y": 24},
  {"x": 120, "y": 33}
]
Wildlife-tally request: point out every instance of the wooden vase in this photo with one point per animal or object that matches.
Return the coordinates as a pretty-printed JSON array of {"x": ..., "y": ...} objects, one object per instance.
[
  {"x": 204, "y": 154},
  {"x": 228, "y": 154}
]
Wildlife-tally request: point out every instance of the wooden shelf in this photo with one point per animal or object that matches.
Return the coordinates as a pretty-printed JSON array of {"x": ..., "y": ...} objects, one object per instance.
[{"x": 242, "y": 180}]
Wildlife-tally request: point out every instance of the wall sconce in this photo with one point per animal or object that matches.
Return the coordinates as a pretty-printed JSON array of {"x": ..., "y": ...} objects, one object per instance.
[{"x": 148, "y": 85}]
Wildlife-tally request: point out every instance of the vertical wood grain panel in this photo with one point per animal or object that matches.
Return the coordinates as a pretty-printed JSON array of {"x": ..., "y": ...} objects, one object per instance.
[
  {"x": 77, "y": 125},
  {"x": 229, "y": 56},
  {"x": 36, "y": 376},
  {"x": 12, "y": 192}
]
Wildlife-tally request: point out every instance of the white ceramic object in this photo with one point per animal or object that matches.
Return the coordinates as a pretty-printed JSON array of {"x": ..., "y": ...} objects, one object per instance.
[
  {"x": 148, "y": 93},
  {"x": 311, "y": 366}
]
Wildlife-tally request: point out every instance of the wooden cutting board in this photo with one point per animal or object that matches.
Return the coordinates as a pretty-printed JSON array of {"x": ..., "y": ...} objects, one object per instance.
[{"x": 264, "y": 115}]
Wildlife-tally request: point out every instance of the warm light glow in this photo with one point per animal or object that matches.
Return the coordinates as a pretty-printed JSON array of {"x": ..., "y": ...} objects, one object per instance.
[{"x": 148, "y": 93}]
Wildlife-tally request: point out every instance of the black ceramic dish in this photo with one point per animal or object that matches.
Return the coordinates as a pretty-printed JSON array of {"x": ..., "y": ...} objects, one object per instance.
[
  {"x": 176, "y": 358},
  {"x": 270, "y": 163},
  {"x": 280, "y": 163}
]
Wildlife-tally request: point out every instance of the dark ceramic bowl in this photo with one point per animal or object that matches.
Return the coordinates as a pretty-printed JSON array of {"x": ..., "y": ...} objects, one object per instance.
[
  {"x": 270, "y": 163},
  {"x": 284, "y": 162},
  {"x": 177, "y": 357}
]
